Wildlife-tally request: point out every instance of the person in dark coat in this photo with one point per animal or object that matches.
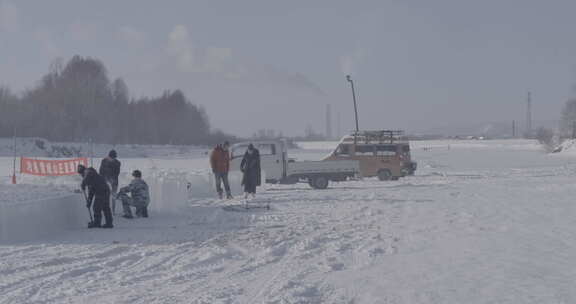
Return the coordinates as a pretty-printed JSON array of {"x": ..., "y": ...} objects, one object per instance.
[
  {"x": 98, "y": 191},
  {"x": 110, "y": 170},
  {"x": 250, "y": 168}
]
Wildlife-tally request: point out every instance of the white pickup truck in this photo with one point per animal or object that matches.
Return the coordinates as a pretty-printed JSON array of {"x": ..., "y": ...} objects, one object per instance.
[{"x": 279, "y": 168}]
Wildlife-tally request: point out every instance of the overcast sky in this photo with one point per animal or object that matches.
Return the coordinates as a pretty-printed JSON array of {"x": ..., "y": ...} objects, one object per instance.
[{"x": 276, "y": 64}]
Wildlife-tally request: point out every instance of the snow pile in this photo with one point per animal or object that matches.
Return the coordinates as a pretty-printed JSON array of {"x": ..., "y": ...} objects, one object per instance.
[
  {"x": 168, "y": 193},
  {"x": 33, "y": 211},
  {"x": 12, "y": 194},
  {"x": 42, "y": 217},
  {"x": 50, "y": 205},
  {"x": 171, "y": 191},
  {"x": 567, "y": 147},
  {"x": 29, "y": 211}
]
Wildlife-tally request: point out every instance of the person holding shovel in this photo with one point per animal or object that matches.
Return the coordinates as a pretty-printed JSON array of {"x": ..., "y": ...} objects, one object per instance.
[{"x": 99, "y": 192}]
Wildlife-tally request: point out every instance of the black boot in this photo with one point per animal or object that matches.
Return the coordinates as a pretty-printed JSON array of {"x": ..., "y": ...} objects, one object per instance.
[
  {"x": 97, "y": 221},
  {"x": 145, "y": 212},
  {"x": 93, "y": 225}
]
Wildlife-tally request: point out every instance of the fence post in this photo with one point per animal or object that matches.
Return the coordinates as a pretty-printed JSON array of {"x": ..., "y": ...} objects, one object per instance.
[{"x": 14, "y": 161}]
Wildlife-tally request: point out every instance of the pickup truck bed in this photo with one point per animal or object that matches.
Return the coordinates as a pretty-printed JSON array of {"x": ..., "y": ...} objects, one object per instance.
[
  {"x": 279, "y": 168},
  {"x": 329, "y": 166},
  {"x": 318, "y": 173}
]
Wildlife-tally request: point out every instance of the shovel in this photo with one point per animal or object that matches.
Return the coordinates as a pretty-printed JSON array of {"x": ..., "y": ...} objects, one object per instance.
[{"x": 89, "y": 212}]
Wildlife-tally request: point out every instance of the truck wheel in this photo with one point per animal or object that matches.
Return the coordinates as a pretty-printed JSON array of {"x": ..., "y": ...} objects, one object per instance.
[
  {"x": 384, "y": 174},
  {"x": 319, "y": 182}
]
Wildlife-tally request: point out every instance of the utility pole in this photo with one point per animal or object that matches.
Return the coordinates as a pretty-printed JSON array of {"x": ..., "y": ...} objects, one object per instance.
[
  {"x": 354, "y": 99},
  {"x": 513, "y": 129},
  {"x": 91, "y": 153},
  {"x": 14, "y": 160}
]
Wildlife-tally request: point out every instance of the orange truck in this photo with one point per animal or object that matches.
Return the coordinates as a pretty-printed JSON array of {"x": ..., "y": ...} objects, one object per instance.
[{"x": 383, "y": 153}]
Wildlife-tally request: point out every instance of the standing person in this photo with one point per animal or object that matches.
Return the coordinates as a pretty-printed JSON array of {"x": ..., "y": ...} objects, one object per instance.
[
  {"x": 139, "y": 196},
  {"x": 220, "y": 163},
  {"x": 110, "y": 170},
  {"x": 98, "y": 191},
  {"x": 250, "y": 167}
]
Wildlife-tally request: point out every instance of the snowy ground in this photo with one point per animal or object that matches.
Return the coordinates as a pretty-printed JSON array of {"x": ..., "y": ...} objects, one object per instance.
[
  {"x": 22, "y": 193},
  {"x": 482, "y": 222}
]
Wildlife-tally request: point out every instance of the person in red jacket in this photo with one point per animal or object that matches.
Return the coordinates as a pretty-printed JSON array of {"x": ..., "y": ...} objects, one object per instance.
[{"x": 220, "y": 163}]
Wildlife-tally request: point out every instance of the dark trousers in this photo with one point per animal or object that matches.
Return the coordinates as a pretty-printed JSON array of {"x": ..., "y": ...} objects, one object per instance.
[
  {"x": 102, "y": 205},
  {"x": 113, "y": 184},
  {"x": 250, "y": 182},
  {"x": 222, "y": 177},
  {"x": 127, "y": 202}
]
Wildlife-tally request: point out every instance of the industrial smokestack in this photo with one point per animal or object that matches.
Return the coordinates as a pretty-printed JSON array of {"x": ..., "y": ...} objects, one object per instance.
[
  {"x": 529, "y": 115},
  {"x": 328, "y": 122}
]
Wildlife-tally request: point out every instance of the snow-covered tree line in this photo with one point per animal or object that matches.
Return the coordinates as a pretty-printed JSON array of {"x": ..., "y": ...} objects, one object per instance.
[{"x": 78, "y": 102}]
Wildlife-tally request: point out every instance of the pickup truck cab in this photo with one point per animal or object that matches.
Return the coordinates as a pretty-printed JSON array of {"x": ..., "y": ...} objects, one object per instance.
[{"x": 280, "y": 169}]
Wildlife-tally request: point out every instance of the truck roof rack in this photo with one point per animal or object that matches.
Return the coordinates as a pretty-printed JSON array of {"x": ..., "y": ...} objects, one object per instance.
[{"x": 378, "y": 136}]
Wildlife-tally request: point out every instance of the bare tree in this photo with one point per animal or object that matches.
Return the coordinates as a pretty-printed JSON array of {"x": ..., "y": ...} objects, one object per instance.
[
  {"x": 77, "y": 102},
  {"x": 546, "y": 138}
]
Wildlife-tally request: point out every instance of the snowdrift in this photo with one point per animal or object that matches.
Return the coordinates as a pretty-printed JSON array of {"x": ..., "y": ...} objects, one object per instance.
[
  {"x": 28, "y": 217},
  {"x": 172, "y": 191},
  {"x": 30, "y": 220},
  {"x": 567, "y": 147}
]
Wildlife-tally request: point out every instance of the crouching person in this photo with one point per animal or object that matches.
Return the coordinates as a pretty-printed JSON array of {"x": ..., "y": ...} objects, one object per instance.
[
  {"x": 139, "y": 196},
  {"x": 98, "y": 191}
]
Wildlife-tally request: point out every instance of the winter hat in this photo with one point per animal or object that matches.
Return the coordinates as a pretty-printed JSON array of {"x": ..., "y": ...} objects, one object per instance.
[
  {"x": 112, "y": 154},
  {"x": 91, "y": 172},
  {"x": 81, "y": 169},
  {"x": 136, "y": 173}
]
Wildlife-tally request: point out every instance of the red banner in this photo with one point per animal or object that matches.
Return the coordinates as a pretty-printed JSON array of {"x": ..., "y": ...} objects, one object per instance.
[{"x": 44, "y": 167}]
